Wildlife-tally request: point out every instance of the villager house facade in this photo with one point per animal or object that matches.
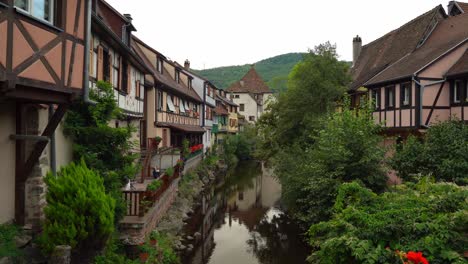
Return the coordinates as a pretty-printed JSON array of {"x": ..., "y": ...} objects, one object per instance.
[
  {"x": 113, "y": 60},
  {"x": 226, "y": 116},
  {"x": 42, "y": 65},
  {"x": 173, "y": 108},
  {"x": 417, "y": 74},
  {"x": 251, "y": 94},
  {"x": 206, "y": 90}
]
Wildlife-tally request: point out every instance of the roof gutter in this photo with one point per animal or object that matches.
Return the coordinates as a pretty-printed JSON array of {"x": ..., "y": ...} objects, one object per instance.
[{"x": 86, "y": 98}]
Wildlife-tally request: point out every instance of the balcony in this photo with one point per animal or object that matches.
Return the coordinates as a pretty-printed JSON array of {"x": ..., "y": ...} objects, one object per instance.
[{"x": 170, "y": 117}]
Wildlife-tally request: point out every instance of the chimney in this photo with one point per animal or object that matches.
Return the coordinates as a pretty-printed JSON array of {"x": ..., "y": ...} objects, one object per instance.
[
  {"x": 357, "y": 46},
  {"x": 187, "y": 64},
  {"x": 128, "y": 17}
]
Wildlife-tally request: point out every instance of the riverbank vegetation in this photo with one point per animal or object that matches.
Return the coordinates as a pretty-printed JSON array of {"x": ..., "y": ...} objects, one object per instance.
[{"x": 332, "y": 165}]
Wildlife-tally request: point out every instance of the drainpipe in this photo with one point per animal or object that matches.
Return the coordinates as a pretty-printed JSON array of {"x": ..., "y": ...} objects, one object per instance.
[
  {"x": 86, "y": 98},
  {"x": 53, "y": 156},
  {"x": 420, "y": 97}
]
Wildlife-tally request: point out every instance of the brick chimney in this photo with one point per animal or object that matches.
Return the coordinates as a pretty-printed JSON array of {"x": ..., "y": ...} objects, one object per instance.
[
  {"x": 187, "y": 64},
  {"x": 357, "y": 46}
]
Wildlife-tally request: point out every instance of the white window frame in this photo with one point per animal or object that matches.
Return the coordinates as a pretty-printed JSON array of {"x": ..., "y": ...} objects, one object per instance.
[
  {"x": 406, "y": 98},
  {"x": 375, "y": 97},
  {"x": 159, "y": 65},
  {"x": 455, "y": 92},
  {"x": 182, "y": 107},
  {"x": 30, "y": 5}
]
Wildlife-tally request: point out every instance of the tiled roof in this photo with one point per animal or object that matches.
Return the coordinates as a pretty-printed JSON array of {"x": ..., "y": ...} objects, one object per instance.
[
  {"x": 448, "y": 34},
  {"x": 165, "y": 78},
  {"x": 460, "y": 67},
  {"x": 381, "y": 53},
  {"x": 250, "y": 83}
]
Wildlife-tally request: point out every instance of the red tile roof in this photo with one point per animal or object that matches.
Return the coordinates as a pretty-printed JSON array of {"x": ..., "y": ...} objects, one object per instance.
[
  {"x": 381, "y": 53},
  {"x": 250, "y": 83},
  {"x": 448, "y": 34}
]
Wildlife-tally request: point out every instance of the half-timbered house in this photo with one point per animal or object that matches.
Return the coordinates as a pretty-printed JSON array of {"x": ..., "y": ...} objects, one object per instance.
[
  {"x": 415, "y": 76},
  {"x": 42, "y": 70}
]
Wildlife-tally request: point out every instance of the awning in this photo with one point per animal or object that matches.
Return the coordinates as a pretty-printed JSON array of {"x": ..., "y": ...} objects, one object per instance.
[{"x": 184, "y": 128}]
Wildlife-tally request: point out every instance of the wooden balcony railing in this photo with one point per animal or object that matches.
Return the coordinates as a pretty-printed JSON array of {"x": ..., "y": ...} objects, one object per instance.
[
  {"x": 139, "y": 200},
  {"x": 169, "y": 117}
]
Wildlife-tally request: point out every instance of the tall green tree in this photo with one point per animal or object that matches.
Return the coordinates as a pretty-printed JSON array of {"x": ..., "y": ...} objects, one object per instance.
[{"x": 314, "y": 86}]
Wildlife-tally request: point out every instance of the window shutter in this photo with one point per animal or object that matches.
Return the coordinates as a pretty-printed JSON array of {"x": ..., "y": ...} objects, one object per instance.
[
  {"x": 129, "y": 80},
  {"x": 121, "y": 73},
  {"x": 100, "y": 63},
  {"x": 137, "y": 89},
  {"x": 111, "y": 69}
]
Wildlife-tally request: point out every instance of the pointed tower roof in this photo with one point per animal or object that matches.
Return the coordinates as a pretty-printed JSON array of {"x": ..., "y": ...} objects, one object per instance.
[{"x": 250, "y": 83}]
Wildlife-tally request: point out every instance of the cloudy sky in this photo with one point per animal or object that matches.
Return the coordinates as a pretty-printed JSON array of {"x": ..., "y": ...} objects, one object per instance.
[{"x": 213, "y": 33}]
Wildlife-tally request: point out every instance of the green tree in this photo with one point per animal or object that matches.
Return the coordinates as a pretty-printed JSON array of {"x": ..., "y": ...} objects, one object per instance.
[
  {"x": 314, "y": 85},
  {"x": 79, "y": 213},
  {"x": 443, "y": 153},
  {"x": 346, "y": 149}
]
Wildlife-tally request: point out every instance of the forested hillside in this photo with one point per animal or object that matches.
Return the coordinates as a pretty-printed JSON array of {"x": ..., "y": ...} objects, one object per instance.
[{"x": 273, "y": 70}]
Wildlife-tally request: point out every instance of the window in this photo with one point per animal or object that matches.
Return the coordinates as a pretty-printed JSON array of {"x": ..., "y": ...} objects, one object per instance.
[
  {"x": 182, "y": 107},
  {"x": 116, "y": 70},
  {"x": 42, "y": 9},
  {"x": 241, "y": 107},
  {"x": 236, "y": 96},
  {"x": 376, "y": 98},
  {"x": 390, "y": 97},
  {"x": 159, "y": 66},
  {"x": 457, "y": 91},
  {"x": 405, "y": 94},
  {"x": 137, "y": 89},
  {"x": 251, "y": 118},
  {"x": 125, "y": 77},
  {"x": 170, "y": 104},
  {"x": 160, "y": 100},
  {"x": 106, "y": 65}
]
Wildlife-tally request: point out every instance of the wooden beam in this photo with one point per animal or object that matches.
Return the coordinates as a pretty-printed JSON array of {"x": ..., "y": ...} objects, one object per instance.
[{"x": 39, "y": 147}]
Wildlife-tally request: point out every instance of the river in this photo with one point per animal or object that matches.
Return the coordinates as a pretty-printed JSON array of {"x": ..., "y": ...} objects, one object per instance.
[{"x": 240, "y": 220}]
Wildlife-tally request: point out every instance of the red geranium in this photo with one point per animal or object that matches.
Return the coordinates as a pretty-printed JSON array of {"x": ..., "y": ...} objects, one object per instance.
[{"x": 416, "y": 257}]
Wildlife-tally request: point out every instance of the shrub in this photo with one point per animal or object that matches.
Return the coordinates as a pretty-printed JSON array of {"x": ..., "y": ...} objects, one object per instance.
[
  {"x": 79, "y": 212},
  {"x": 163, "y": 253},
  {"x": 346, "y": 149},
  {"x": 153, "y": 186},
  {"x": 367, "y": 227},
  {"x": 7, "y": 241},
  {"x": 169, "y": 171},
  {"x": 114, "y": 254},
  {"x": 443, "y": 153}
]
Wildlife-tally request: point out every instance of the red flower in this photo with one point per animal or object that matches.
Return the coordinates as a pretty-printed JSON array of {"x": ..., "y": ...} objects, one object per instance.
[{"x": 416, "y": 257}]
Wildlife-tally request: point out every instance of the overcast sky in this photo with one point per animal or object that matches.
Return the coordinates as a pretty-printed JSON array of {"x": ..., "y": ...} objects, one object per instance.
[{"x": 213, "y": 33}]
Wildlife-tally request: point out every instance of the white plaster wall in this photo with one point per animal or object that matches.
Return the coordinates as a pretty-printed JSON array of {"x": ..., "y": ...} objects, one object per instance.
[
  {"x": 7, "y": 162},
  {"x": 250, "y": 108}
]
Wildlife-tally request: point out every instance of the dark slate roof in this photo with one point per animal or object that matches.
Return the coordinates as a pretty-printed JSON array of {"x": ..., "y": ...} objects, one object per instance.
[
  {"x": 460, "y": 67},
  {"x": 448, "y": 34},
  {"x": 250, "y": 83},
  {"x": 381, "y": 53},
  {"x": 165, "y": 78}
]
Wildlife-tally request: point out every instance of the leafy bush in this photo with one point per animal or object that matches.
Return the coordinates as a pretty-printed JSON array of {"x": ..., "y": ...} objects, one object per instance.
[
  {"x": 79, "y": 212},
  {"x": 7, "y": 241},
  {"x": 153, "y": 186},
  {"x": 169, "y": 171},
  {"x": 163, "y": 253},
  {"x": 114, "y": 254},
  {"x": 443, "y": 153},
  {"x": 367, "y": 227},
  {"x": 346, "y": 149}
]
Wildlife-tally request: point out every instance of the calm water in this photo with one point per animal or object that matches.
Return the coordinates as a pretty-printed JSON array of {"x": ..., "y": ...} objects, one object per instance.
[{"x": 240, "y": 221}]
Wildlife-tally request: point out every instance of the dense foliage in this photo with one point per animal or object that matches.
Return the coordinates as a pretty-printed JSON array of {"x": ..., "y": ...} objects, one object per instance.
[
  {"x": 368, "y": 227},
  {"x": 105, "y": 149},
  {"x": 314, "y": 86},
  {"x": 443, "y": 153},
  {"x": 346, "y": 149},
  {"x": 79, "y": 213},
  {"x": 8, "y": 247},
  {"x": 273, "y": 71},
  {"x": 241, "y": 146}
]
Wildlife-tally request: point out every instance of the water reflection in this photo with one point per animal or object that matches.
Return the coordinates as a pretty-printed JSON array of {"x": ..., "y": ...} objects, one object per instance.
[{"x": 240, "y": 221}]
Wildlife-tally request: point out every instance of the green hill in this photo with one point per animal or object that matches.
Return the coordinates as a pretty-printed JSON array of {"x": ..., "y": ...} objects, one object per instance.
[{"x": 274, "y": 71}]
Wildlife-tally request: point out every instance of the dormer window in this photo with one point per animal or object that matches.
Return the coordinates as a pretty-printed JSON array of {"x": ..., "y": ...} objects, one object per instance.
[
  {"x": 42, "y": 9},
  {"x": 159, "y": 66},
  {"x": 177, "y": 76}
]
